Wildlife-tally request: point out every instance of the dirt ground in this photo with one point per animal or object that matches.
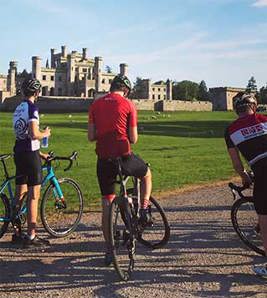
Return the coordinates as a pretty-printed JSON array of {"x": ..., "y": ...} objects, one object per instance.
[{"x": 204, "y": 258}]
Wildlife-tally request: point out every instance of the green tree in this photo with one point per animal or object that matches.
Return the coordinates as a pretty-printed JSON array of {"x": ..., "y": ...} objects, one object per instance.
[
  {"x": 263, "y": 95},
  {"x": 185, "y": 90},
  {"x": 251, "y": 86},
  {"x": 108, "y": 69},
  {"x": 203, "y": 93}
]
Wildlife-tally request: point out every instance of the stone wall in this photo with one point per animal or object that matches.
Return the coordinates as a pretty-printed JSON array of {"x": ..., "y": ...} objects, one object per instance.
[
  {"x": 51, "y": 104},
  {"x": 77, "y": 104}
]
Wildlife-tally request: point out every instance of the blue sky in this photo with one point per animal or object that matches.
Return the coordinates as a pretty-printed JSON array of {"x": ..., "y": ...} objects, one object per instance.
[{"x": 223, "y": 42}]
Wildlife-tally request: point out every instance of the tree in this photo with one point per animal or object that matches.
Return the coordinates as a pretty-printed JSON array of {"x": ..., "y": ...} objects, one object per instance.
[
  {"x": 185, "y": 90},
  {"x": 263, "y": 95},
  {"x": 203, "y": 93},
  {"x": 251, "y": 86},
  {"x": 108, "y": 69}
]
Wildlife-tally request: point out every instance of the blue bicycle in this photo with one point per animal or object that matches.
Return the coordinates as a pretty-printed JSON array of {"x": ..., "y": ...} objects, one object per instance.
[{"x": 61, "y": 205}]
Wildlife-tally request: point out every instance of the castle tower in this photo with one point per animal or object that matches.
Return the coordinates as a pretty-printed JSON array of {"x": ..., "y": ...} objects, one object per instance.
[
  {"x": 147, "y": 89},
  {"x": 124, "y": 69},
  {"x": 84, "y": 53},
  {"x": 98, "y": 73},
  {"x": 11, "y": 78},
  {"x": 36, "y": 67},
  {"x": 53, "y": 63},
  {"x": 169, "y": 90},
  {"x": 71, "y": 67},
  {"x": 64, "y": 51}
]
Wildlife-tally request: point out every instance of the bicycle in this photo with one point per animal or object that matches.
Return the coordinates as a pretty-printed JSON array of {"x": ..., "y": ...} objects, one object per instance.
[
  {"x": 61, "y": 204},
  {"x": 245, "y": 219},
  {"x": 125, "y": 227}
]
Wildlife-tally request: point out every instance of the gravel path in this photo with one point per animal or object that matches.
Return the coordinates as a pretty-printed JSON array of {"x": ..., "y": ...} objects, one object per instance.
[{"x": 203, "y": 258}]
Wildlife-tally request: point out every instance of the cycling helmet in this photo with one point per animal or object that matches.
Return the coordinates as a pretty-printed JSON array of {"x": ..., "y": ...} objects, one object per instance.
[
  {"x": 243, "y": 100},
  {"x": 122, "y": 80},
  {"x": 31, "y": 86}
]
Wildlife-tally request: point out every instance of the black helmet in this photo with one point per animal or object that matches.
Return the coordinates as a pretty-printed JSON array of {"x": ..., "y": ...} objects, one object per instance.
[
  {"x": 31, "y": 86},
  {"x": 243, "y": 100},
  {"x": 120, "y": 80}
]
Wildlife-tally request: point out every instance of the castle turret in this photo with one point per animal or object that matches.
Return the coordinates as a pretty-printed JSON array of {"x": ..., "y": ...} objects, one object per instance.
[
  {"x": 98, "y": 73},
  {"x": 36, "y": 67},
  {"x": 84, "y": 53},
  {"x": 11, "y": 78},
  {"x": 53, "y": 62},
  {"x": 64, "y": 51},
  {"x": 169, "y": 90},
  {"x": 124, "y": 69}
]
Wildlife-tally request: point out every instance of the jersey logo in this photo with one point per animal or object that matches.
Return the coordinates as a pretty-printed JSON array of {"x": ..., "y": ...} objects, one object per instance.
[{"x": 20, "y": 127}]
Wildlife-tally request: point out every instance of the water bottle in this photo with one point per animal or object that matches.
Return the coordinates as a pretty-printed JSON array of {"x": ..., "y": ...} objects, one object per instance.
[{"x": 44, "y": 143}]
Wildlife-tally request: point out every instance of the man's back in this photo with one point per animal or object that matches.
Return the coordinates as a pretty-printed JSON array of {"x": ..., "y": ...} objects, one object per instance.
[
  {"x": 249, "y": 134},
  {"x": 112, "y": 116}
]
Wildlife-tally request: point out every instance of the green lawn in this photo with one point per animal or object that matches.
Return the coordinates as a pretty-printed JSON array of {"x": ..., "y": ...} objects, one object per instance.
[{"x": 182, "y": 147}]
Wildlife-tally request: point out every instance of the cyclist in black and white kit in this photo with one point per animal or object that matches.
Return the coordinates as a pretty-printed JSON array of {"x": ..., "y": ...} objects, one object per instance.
[
  {"x": 27, "y": 159},
  {"x": 248, "y": 135}
]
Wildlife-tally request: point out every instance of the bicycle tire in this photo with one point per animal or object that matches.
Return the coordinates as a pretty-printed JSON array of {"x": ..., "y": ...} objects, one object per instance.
[
  {"x": 244, "y": 220},
  {"x": 121, "y": 238},
  {"x": 156, "y": 235},
  {"x": 4, "y": 213},
  {"x": 64, "y": 214}
]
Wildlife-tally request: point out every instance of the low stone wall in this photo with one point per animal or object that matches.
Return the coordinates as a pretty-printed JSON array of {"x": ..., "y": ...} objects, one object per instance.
[
  {"x": 62, "y": 104},
  {"x": 179, "y": 105},
  {"x": 51, "y": 104}
]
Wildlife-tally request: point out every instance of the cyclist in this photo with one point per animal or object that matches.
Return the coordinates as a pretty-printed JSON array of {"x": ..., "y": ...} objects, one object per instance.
[
  {"x": 27, "y": 159},
  {"x": 113, "y": 125},
  {"x": 248, "y": 135}
]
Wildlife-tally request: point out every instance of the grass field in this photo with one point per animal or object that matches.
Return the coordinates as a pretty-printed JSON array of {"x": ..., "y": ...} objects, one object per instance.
[{"x": 183, "y": 148}]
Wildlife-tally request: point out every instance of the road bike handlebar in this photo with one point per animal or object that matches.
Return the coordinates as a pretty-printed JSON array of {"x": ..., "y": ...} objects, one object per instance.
[{"x": 70, "y": 158}]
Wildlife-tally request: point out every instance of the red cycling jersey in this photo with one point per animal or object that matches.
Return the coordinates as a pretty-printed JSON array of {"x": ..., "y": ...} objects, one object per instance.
[{"x": 112, "y": 115}]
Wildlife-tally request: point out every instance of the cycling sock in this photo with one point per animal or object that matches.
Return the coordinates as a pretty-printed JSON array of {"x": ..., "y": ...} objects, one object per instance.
[{"x": 145, "y": 204}]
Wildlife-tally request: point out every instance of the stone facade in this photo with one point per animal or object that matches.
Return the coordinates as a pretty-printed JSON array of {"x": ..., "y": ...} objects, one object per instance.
[
  {"x": 69, "y": 74},
  {"x": 160, "y": 90},
  {"x": 222, "y": 97}
]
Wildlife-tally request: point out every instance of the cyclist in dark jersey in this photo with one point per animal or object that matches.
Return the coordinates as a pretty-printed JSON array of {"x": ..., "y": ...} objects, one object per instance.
[
  {"x": 113, "y": 125},
  {"x": 248, "y": 135},
  {"x": 27, "y": 159}
]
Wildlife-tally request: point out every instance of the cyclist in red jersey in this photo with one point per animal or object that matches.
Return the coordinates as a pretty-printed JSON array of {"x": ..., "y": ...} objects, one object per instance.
[
  {"x": 113, "y": 125},
  {"x": 248, "y": 135}
]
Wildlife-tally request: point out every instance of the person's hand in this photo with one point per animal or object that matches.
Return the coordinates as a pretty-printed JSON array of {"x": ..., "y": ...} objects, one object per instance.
[
  {"x": 246, "y": 180},
  {"x": 44, "y": 156},
  {"x": 47, "y": 132}
]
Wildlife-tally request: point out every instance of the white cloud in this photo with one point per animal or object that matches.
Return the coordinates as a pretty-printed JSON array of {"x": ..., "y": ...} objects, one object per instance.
[{"x": 260, "y": 3}]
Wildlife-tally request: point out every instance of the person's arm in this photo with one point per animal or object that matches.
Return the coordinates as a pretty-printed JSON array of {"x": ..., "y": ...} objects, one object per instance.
[
  {"x": 35, "y": 133},
  {"x": 238, "y": 166},
  {"x": 91, "y": 132},
  {"x": 132, "y": 124}
]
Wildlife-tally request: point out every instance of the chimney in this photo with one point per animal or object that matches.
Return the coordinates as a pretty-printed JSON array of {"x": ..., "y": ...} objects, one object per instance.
[
  {"x": 63, "y": 51},
  {"x": 84, "y": 53}
]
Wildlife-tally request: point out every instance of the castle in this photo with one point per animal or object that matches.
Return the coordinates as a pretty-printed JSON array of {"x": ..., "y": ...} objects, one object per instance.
[{"x": 76, "y": 75}]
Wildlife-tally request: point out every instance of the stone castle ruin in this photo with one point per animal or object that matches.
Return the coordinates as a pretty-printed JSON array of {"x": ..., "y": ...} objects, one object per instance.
[{"x": 75, "y": 77}]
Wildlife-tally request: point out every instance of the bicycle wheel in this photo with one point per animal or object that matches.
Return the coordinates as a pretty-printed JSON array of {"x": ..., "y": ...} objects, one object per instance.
[
  {"x": 4, "y": 214},
  {"x": 122, "y": 238},
  {"x": 60, "y": 217},
  {"x": 245, "y": 222},
  {"x": 156, "y": 234}
]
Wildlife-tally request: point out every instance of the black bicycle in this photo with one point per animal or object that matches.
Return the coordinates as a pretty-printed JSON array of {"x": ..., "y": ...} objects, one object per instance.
[
  {"x": 125, "y": 227},
  {"x": 245, "y": 219}
]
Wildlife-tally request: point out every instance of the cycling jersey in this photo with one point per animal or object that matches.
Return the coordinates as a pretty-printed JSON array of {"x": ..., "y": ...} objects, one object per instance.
[
  {"x": 25, "y": 113},
  {"x": 249, "y": 135},
  {"x": 112, "y": 115}
]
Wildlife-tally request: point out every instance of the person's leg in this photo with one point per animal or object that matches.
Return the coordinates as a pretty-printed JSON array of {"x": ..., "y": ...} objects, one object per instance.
[
  {"x": 21, "y": 191},
  {"x": 146, "y": 188},
  {"x": 34, "y": 195}
]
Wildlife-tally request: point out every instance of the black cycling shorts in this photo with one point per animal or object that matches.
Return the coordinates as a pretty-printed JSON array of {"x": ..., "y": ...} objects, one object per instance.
[
  {"x": 28, "y": 168},
  {"x": 107, "y": 170},
  {"x": 260, "y": 186}
]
